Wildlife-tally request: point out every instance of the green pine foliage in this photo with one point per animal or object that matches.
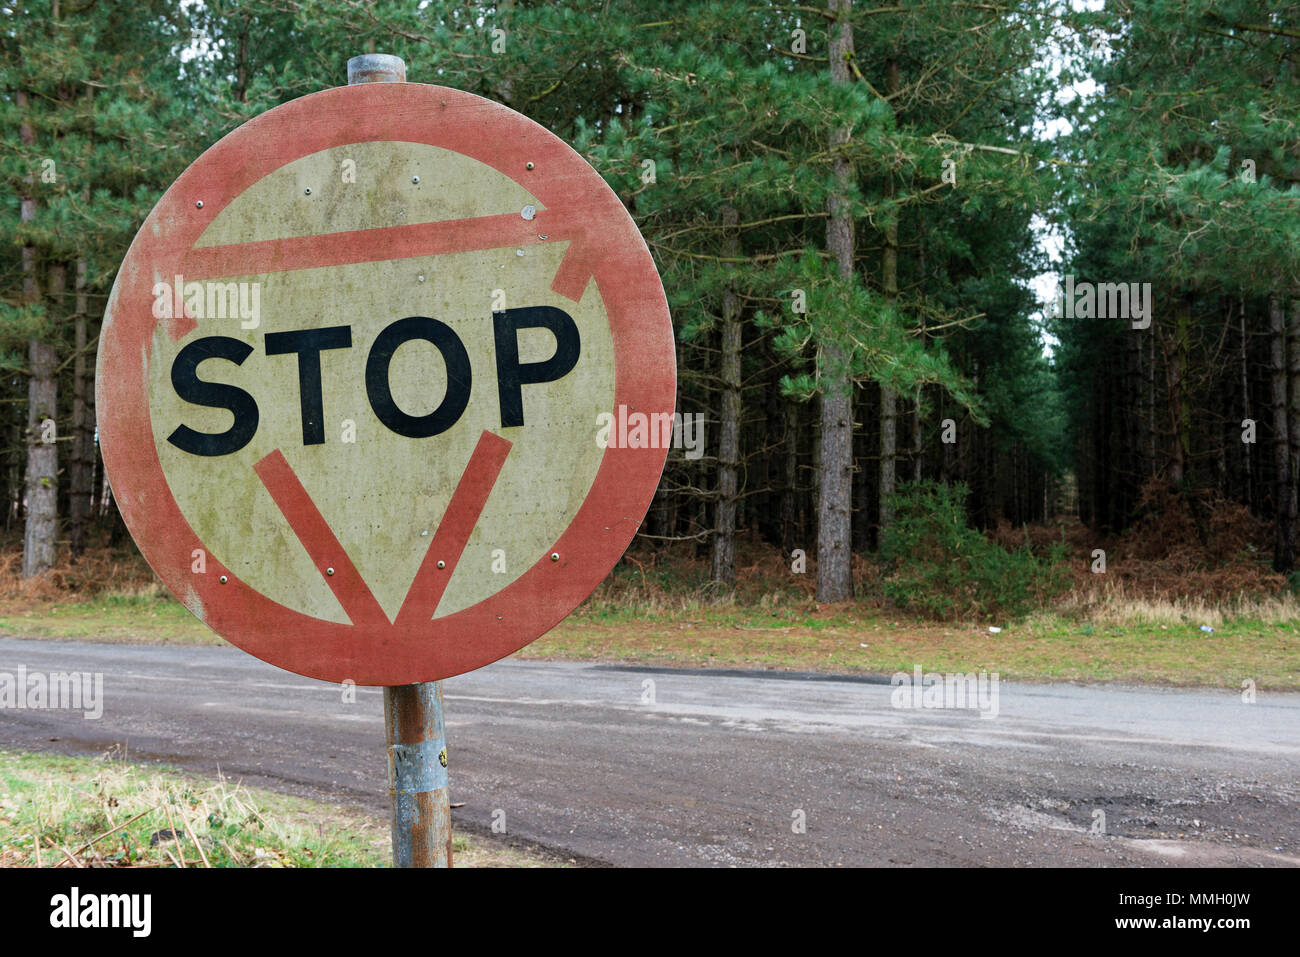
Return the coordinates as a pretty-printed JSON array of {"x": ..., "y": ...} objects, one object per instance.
[
  {"x": 110, "y": 130},
  {"x": 939, "y": 566},
  {"x": 713, "y": 121}
]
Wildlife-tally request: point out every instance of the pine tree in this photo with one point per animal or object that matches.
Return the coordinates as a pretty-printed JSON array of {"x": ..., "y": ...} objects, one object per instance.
[
  {"x": 91, "y": 101},
  {"x": 1187, "y": 178}
]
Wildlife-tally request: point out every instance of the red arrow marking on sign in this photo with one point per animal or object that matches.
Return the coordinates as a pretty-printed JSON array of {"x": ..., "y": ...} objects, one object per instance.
[
  {"x": 351, "y": 590},
  {"x": 385, "y": 243},
  {"x": 575, "y": 269},
  {"x": 453, "y": 532},
  {"x": 378, "y": 244}
]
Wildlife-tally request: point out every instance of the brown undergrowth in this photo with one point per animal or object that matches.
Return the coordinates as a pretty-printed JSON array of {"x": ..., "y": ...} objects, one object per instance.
[
  {"x": 100, "y": 570},
  {"x": 1190, "y": 554}
]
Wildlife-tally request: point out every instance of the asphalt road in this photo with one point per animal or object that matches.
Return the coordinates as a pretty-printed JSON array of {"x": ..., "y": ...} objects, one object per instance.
[{"x": 720, "y": 769}]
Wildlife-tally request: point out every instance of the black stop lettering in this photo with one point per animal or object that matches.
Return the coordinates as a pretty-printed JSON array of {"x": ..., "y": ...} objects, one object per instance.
[
  {"x": 380, "y": 393},
  {"x": 512, "y": 375},
  {"x": 217, "y": 395},
  {"x": 309, "y": 343}
]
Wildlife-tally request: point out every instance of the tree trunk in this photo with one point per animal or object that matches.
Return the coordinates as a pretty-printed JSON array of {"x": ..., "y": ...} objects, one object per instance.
[
  {"x": 767, "y": 517},
  {"x": 791, "y": 447},
  {"x": 81, "y": 471},
  {"x": 1134, "y": 468},
  {"x": 946, "y": 448},
  {"x": 1150, "y": 417},
  {"x": 834, "y": 503},
  {"x": 1175, "y": 370},
  {"x": 42, "y": 486},
  {"x": 888, "y": 398},
  {"x": 916, "y": 437},
  {"x": 861, "y": 467},
  {"x": 658, "y": 520},
  {"x": 42, "y": 461},
  {"x": 1246, "y": 413},
  {"x": 79, "y": 477},
  {"x": 41, "y": 489},
  {"x": 1293, "y": 426},
  {"x": 888, "y": 447},
  {"x": 724, "y": 531},
  {"x": 1284, "y": 541},
  {"x": 916, "y": 409}
]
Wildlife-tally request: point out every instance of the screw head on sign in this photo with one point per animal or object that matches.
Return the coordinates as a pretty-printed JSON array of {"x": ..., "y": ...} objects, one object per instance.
[
  {"x": 441, "y": 563},
  {"x": 555, "y": 556},
  {"x": 528, "y": 166},
  {"x": 528, "y": 212},
  {"x": 415, "y": 180},
  {"x": 420, "y": 278},
  {"x": 519, "y": 252},
  {"x": 199, "y": 204},
  {"x": 307, "y": 191},
  {"x": 223, "y": 579},
  {"x": 329, "y": 571}
]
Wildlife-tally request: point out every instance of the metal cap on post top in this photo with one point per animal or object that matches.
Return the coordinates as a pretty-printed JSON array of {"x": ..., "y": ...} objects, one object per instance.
[{"x": 376, "y": 68}]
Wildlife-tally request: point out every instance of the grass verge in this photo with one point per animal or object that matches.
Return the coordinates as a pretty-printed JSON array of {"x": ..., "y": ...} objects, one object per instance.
[
  {"x": 667, "y": 613},
  {"x": 58, "y": 811},
  {"x": 1044, "y": 648},
  {"x": 148, "y": 618}
]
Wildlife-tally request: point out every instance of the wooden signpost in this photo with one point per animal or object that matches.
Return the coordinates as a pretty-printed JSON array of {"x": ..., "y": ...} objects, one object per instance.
[{"x": 349, "y": 386}]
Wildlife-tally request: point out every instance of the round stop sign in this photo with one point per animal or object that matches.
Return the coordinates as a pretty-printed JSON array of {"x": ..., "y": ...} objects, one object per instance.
[{"x": 385, "y": 384}]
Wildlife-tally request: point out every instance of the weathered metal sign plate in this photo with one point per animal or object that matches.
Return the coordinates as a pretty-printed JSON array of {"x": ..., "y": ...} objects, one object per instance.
[{"x": 350, "y": 380}]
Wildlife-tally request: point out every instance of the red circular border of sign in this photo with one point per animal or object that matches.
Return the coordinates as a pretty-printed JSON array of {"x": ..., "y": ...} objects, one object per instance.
[{"x": 644, "y": 374}]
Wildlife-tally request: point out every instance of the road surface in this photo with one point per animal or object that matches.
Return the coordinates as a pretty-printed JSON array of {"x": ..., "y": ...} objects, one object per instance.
[{"x": 592, "y": 762}]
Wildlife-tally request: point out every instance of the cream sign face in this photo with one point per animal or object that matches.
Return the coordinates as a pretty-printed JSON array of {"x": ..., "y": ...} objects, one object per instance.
[{"x": 352, "y": 374}]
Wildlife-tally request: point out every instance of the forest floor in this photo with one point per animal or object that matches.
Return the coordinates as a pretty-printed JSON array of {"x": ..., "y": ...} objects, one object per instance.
[{"x": 1166, "y": 613}]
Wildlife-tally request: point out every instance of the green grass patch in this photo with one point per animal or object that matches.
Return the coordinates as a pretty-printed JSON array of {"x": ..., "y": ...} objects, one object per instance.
[
  {"x": 58, "y": 811},
  {"x": 1121, "y": 641},
  {"x": 1042, "y": 648},
  {"x": 159, "y": 618},
  {"x": 153, "y": 619}
]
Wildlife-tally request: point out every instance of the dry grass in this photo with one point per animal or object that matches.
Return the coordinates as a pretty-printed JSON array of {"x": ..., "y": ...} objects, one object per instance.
[
  {"x": 1188, "y": 550},
  {"x": 70, "y": 812},
  {"x": 101, "y": 570},
  {"x": 58, "y": 811},
  {"x": 1114, "y": 604},
  {"x": 653, "y": 583}
]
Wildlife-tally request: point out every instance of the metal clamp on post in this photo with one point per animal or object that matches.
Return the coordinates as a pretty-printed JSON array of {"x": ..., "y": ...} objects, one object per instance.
[{"x": 417, "y": 768}]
